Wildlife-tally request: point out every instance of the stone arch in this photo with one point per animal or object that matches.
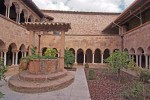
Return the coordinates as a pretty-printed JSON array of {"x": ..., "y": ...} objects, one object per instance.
[
  {"x": 12, "y": 48},
  {"x": 2, "y": 45},
  {"x": 106, "y": 54},
  {"x": 73, "y": 51},
  {"x": 2, "y": 7},
  {"x": 140, "y": 51},
  {"x": 31, "y": 18},
  {"x": 115, "y": 50},
  {"x": 80, "y": 56},
  {"x": 20, "y": 53},
  {"x": 97, "y": 56},
  {"x": 132, "y": 51},
  {"x": 148, "y": 50},
  {"x": 36, "y": 20},
  {"x": 43, "y": 50},
  {"x": 88, "y": 56},
  {"x": 23, "y": 15},
  {"x": 13, "y": 14},
  {"x": 126, "y": 50}
]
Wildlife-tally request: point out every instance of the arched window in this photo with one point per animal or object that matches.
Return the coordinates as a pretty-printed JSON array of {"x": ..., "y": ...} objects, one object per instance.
[
  {"x": 97, "y": 56},
  {"x": 80, "y": 56}
]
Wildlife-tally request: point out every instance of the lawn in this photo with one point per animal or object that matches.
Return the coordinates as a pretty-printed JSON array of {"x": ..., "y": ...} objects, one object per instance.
[{"x": 105, "y": 85}]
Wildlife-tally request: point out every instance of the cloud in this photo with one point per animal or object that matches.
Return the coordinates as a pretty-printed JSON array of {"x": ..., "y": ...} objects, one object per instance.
[{"x": 84, "y": 5}]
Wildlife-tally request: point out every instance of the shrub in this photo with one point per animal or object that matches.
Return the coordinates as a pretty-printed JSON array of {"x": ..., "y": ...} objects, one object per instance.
[
  {"x": 69, "y": 58},
  {"x": 1, "y": 95},
  {"x": 136, "y": 92},
  {"x": 144, "y": 76},
  {"x": 50, "y": 52},
  {"x": 91, "y": 75},
  {"x": 86, "y": 65}
]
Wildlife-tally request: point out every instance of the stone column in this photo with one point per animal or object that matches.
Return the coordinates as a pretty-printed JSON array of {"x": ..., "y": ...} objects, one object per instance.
[
  {"x": 16, "y": 59},
  {"x": 75, "y": 58},
  {"x": 5, "y": 53},
  {"x": 84, "y": 59},
  {"x": 146, "y": 61},
  {"x": 25, "y": 54},
  {"x": 93, "y": 59},
  {"x": 22, "y": 54},
  {"x": 13, "y": 58},
  {"x": 1, "y": 55},
  {"x": 8, "y": 4},
  {"x": 140, "y": 60},
  {"x": 102, "y": 58},
  {"x": 62, "y": 46},
  {"x": 137, "y": 60}
]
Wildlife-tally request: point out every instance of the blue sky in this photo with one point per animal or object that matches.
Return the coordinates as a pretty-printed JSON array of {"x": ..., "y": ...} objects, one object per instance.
[{"x": 84, "y": 5}]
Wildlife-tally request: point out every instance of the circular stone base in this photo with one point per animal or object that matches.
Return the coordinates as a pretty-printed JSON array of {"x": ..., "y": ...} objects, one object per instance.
[{"x": 24, "y": 86}]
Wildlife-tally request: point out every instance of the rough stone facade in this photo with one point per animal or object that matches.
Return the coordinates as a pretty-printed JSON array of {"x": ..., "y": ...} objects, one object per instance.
[{"x": 86, "y": 30}]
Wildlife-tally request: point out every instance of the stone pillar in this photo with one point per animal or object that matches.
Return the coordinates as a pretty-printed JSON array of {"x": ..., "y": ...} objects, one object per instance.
[
  {"x": 93, "y": 59},
  {"x": 16, "y": 59},
  {"x": 13, "y": 58},
  {"x": 84, "y": 59},
  {"x": 5, "y": 53},
  {"x": 22, "y": 54},
  {"x": 1, "y": 55},
  {"x": 146, "y": 61},
  {"x": 62, "y": 46},
  {"x": 25, "y": 54},
  {"x": 140, "y": 60},
  {"x": 137, "y": 60},
  {"x": 102, "y": 58},
  {"x": 75, "y": 58}
]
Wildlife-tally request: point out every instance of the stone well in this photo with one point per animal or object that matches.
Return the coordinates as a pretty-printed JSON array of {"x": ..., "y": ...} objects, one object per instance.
[{"x": 42, "y": 76}]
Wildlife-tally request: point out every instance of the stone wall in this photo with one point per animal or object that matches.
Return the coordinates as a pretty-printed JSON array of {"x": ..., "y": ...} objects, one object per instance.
[
  {"x": 85, "y": 30},
  {"x": 138, "y": 37},
  {"x": 11, "y": 32}
]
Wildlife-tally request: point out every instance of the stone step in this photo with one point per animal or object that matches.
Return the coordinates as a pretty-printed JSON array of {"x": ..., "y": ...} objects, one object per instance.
[
  {"x": 26, "y": 76},
  {"x": 37, "y": 87}
]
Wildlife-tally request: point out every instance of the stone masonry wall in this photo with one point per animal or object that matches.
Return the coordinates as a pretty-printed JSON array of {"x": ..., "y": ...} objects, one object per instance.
[
  {"x": 138, "y": 37},
  {"x": 11, "y": 32}
]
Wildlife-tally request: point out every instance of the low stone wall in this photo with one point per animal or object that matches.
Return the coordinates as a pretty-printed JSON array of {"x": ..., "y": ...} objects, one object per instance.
[{"x": 43, "y": 66}]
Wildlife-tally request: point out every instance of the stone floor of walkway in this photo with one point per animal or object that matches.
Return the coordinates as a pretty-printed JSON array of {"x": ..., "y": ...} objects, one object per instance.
[{"x": 78, "y": 90}]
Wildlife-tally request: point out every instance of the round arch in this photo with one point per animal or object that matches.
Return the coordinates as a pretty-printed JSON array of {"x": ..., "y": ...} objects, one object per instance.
[
  {"x": 12, "y": 48},
  {"x": 56, "y": 52},
  {"x": 106, "y": 54},
  {"x": 88, "y": 56},
  {"x": 148, "y": 50},
  {"x": 80, "y": 56},
  {"x": 31, "y": 18},
  {"x": 73, "y": 51},
  {"x": 132, "y": 51},
  {"x": 126, "y": 50},
  {"x": 13, "y": 14},
  {"x": 20, "y": 53},
  {"x": 97, "y": 56},
  {"x": 2, "y": 45},
  {"x": 140, "y": 51}
]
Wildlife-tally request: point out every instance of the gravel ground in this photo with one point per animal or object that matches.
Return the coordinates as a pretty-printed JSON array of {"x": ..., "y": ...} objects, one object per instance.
[{"x": 106, "y": 85}]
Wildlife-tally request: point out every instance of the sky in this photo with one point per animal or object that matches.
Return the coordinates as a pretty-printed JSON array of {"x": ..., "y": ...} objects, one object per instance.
[{"x": 84, "y": 5}]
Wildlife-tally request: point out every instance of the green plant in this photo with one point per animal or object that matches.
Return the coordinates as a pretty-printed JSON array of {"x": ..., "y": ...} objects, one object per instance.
[
  {"x": 69, "y": 58},
  {"x": 119, "y": 60},
  {"x": 50, "y": 52},
  {"x": 144, "y": 75},
  {"x": 91, "y": 75},
  {"x": 3, "y": 70},
  {"x": 1, "y": 95},
  {"x": 136, "y": 92},
  {"x": 33, "y": 50},
  {"x": 86, "y": 65}
]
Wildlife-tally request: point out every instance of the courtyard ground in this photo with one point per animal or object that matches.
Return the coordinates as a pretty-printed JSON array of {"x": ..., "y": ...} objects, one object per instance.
[{"x": 78, "y": 90}]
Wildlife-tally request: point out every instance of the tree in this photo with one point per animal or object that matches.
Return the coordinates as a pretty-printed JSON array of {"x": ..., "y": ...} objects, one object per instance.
[
  {"x": 119, "y": 60},
  {"x": 69, "y": 58}
]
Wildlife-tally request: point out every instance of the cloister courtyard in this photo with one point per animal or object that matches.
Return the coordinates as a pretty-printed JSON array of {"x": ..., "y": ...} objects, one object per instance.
[{"x": 63, "y": 55}]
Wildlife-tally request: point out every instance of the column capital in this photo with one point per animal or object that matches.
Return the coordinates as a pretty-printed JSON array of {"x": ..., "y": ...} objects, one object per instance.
[{"x": 8, "y": 3}]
